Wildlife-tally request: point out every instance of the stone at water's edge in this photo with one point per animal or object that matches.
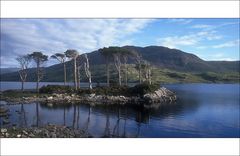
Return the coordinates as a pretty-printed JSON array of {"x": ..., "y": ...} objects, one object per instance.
[
  {"x": 47, "y": 131},
  {"x": 161, "y": 95}
]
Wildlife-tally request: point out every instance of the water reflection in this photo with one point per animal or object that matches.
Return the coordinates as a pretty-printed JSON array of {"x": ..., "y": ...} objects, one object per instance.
[
  {"x": 37, "y": 114},
  {"x": 79, "y": 116},
  {"x": 190, "y": 116},
  {"x": 88, "y": 119},
  {"x": 107, "y": 127},
  {"x": 64, "y": 116},
  {"x": 22, "y": 116}
]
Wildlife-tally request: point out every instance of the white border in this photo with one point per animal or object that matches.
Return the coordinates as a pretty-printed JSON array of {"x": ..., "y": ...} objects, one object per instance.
[
  {"x": 119, "y": 9},
  {"x": 108, "y": 9},
  {"x": 120, "y": 147}
]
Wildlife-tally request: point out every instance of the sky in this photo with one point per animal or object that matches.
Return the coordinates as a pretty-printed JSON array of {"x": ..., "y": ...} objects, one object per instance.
[{"x": 209, "y": 39}]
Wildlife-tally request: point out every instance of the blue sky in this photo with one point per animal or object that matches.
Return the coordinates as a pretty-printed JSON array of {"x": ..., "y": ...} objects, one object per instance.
[{"x": 210, "y": 39}]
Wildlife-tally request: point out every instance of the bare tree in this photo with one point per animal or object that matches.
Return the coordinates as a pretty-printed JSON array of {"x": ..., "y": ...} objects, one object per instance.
[
  {"x": 138, "y": 67},
  {"x": 73, "y": 54},
  {"x": 87, "y": 71},
  {"x": 118, "y": 64},
  {"x": 61, "y": 58},
  {"x": 23, "y": 61},
  {"x": 127, "y": 54},
  {"x": 106, "y": 52},
  {"x": 39, "y": 59},
  {"x": 78, "y": 75},
  {"x": 146, "y": 67},
  {"x": 118, "y": 54},
  {"x": 125, "y": 59}
]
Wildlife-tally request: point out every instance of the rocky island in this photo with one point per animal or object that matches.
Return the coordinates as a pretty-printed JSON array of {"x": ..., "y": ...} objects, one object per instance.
[{"x": 139, "y": 95}]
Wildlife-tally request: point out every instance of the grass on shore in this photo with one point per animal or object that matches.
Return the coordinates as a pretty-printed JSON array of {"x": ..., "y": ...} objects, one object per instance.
[{"x": 138, "y": 90}]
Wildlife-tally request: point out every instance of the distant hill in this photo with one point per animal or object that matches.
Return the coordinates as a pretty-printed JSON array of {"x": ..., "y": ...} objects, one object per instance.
[
  {"x": 170, "y": 65},
  {"x": 8, "y": 70},
  {"x": 181, "y": 61},
  {"x": 173, "y": 59}
]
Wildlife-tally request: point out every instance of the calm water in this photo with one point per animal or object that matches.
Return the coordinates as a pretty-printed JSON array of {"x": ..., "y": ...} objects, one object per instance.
[{"x": 202, "y": 110}]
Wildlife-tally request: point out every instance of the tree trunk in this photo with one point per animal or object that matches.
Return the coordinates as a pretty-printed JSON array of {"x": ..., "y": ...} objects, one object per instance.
[
  {"x": 149, "y": 76},
  {"x": 78, "y": 77},
  {"x": 139, "y": 74},
  {"x": 108, "y": 77},
  {"x": 75, "y": 73},
  {"x": 90, "y": 82},
  {"x": 65, "y": 75},
  {"x": 38, "y": 77},
  {"x": 119, "y": 77},
  {"x": 126, "y": 74}
]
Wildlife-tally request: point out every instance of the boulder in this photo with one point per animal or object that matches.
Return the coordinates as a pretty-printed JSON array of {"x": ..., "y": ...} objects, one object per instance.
[
  {"x": 50, "y": 98},
  {"x": 159, "y": 96},
  {"x": 3, "y": 130}
]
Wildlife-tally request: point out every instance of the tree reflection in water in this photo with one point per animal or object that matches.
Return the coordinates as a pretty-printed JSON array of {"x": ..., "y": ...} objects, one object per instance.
[
  {"x": 78, "y": 109},
  {"x": 37, "y": 115},
  {"x": 107, "y": 127},
  {"x": 64, "y": 116},
  {"x": 74, "y": 117},
  {"x": 125, "y": 122},
  {"x": 88, "y": 119},
  {"x": 116, "y": 128},
  {"x": 23, "y": 120}
]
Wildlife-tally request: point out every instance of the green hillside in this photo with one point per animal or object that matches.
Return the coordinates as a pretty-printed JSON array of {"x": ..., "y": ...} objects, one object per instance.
[
  {"x": 159, "y": 75},
  {"x": 169, "y": 66}
]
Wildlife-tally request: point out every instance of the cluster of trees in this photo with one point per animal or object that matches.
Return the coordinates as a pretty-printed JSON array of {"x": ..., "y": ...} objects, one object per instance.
[
  {"x": 24, "y": 61},
  {"x": 39, "y": 58},
  {"x": 113, "y": 55},
  {"x": 120, "y": 57}
]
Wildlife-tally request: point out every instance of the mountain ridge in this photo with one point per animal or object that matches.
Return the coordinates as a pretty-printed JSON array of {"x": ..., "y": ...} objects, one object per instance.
[{"x": 160, "y": 57}]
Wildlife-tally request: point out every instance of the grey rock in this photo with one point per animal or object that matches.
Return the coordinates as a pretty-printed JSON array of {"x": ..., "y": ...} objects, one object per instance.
[{"x": 3, "y": 130}]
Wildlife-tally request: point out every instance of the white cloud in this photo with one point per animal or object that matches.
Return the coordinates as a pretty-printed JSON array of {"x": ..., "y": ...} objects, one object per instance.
[
  {"x": 201, "y": 26},
  {"x": 218, "y": 57},
  {"x": 228, "y": 44},
  {"x": 180, "y": 20},
  {"x": 212, "y": 27},
  {"x": 188, "y": 40},
  {"x": 58, "y": 35},
  {"x": 201, "y": 47}
]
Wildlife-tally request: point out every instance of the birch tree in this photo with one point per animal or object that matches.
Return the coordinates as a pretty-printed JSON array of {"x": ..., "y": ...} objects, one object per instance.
[
  {"x": 23, "y": 61},
  {"x": 118, "y": 64},
  {"x": 39, "y": 58},
  {"x": 73, "y": 54},
  {"x": 87, "y": 71},
  {"x": 106, "y": 53},
  {"x": 138, "y": 67},
  {"x": 146, "y": 67},
  {"x": 61, "y": 58}
]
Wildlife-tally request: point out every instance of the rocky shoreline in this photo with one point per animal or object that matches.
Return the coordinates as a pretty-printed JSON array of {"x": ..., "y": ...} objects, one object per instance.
[
  {"x": 157, "y": 97},
  {"x": 49, "y": 131}
]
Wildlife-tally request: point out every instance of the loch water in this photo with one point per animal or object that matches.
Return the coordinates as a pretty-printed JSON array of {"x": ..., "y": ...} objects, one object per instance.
[{"x": 202, "y": 110}]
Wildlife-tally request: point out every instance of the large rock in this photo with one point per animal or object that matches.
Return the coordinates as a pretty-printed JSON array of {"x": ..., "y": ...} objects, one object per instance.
[{"x": 161, "y": 95}]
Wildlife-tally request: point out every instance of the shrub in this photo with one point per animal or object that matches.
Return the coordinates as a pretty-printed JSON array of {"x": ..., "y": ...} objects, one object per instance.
[
  {"x": 17, "y": 93},
  {"x": 144, "y": 88},
  {"x": 49, "y": 89},
  {"x": 85, "y": 91},
  {"x": 113, "y": 90},
  {"x": 113, "y": 83}
]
